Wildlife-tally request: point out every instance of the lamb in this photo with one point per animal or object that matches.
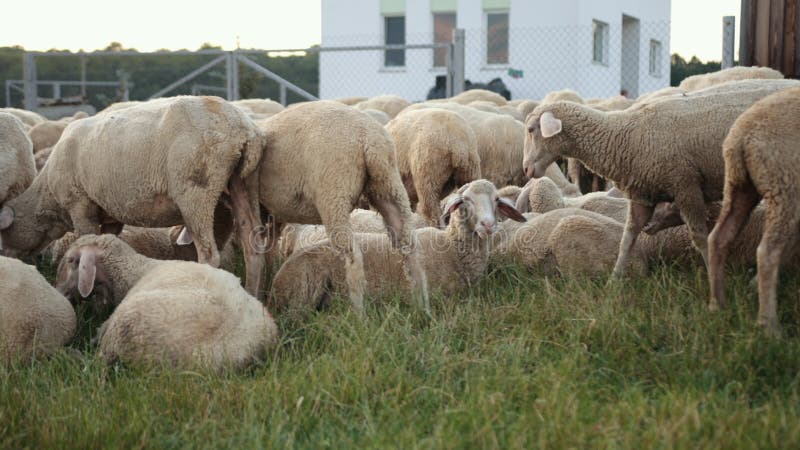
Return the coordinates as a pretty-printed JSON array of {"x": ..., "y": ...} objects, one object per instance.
[
  {"x": 17, "y": 168},
  {"x": 180, "y": 313},
  {"x": 473, "y": 95},
  {"x": 688, "y": 171},
  {"x": 500, "y": 141},
  {"x": 35, "y": 318},
  {"x": 543, "y": 195},
  {"x": 706, "y": 80},
  {"x": 762, "y": 157},
  {"x": 262, "y": 106},
  {"x": 453, "y": 258},
  {"x": 390, "y": 104},
  {"x": 436, "y": 152},
  {"x": 319, "y": 159},
  {"x": 161, "y": 163}
]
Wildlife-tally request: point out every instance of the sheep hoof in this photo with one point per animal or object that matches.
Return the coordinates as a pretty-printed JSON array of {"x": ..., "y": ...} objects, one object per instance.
[
  {"x": 713, "y": 305},
  {"x": 770, "y": 327}
]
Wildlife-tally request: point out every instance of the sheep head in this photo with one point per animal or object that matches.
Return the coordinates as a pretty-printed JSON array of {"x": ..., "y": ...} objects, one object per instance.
[
  {"x": 27, "y": 225},
  {"x": 475, "y": 207},
  {"x": 83, "y": 269}
]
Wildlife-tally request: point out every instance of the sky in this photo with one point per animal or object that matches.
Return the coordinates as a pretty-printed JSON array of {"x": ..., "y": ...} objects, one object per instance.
[{"x": 148, "y": 25}]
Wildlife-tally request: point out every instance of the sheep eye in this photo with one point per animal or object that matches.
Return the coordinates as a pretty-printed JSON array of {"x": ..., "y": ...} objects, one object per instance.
[{"x": 70, "y": 259}]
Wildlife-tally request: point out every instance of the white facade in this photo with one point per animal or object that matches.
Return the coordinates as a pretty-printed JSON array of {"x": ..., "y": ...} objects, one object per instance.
[{"x": 552, "y": 43}]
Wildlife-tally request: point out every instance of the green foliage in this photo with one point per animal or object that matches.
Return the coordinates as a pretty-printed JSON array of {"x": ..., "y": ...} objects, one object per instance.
[
  {"x": 150, "y": 73},
  {"x": 518, "y": 361},
  {"x": 681, "y": 69}
]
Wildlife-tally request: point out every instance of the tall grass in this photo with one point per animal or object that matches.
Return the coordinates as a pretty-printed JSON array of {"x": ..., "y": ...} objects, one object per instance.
[{"x": 519, "y": 361}]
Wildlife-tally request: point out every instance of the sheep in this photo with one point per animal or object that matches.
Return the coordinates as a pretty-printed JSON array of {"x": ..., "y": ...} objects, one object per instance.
[
  {"x": 40, "y": 158},
  {"x": 380, "y": 116},
  {"x": 762, "y": 157},
  {"x": 686, "y": 169},
  {"x": 17, "y": 168},
  {"x": 181, "y": 313},
  {"x": 350, "y": 101},
  {"x": 262, "y": 106},
  {"x": 47, "y": 133},
  {"x": 543, "y": 195},
  {"x": 390, "y": 104},
  {"x": 483, "y": 105},
  {"x": 618, "y": 103},
  {"x": 319, "y": 159},
  {"x": 473, "y": 95},
  {"x": 510, "y": 193},
  {"x": 161, "y": 163},
  {"x": 526, "y": 107},
  {"x": 452, "y": 258},
  {"x": 35, "y": 318},
  {"x": 702, "y": 81},
  {"x": 125, "y": 105},
  {"x": 436, "y": 152},
  {"x": 564, "y": 95},
  {"x": 500, "y": 141},
  {"x": 28, "y": 118}
]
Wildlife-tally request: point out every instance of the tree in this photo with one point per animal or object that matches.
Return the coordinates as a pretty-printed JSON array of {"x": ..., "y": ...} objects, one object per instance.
[{"x": 681, "y": 69}]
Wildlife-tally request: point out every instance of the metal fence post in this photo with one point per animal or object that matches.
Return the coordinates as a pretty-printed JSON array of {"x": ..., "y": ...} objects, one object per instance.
[
  {"x": 728, "y": 33},
  {"x": 458, "y": 61},
  {"x": 232, "y": 75},
  {"x": 448, "y": 87},
  {"x": 30, "y": 102}
]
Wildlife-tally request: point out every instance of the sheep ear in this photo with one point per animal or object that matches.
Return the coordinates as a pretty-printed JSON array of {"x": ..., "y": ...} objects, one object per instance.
[
  {"x": 451, "y": 206},
  {"x": 507, "y": 209},
  {"x": 6, "y": 217},
  {"x": 185, "y": 238},
  {"x": 550, "y": 125},
  {"x": 87, "y": 271}
]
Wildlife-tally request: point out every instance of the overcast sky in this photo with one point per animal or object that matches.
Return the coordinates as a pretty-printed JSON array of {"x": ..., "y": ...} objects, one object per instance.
[{"x": 267, "y": 24}]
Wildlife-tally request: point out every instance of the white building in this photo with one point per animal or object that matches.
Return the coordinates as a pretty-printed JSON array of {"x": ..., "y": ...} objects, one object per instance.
[{"x": 597, "y": 47}]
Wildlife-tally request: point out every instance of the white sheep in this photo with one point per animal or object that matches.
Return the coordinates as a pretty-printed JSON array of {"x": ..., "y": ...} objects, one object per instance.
[
  {"x": 512, "y": 111},
  {"x": 181, "y": 313},
  {"x": 17, "y": 167},
  {"x": 542, "y": 195},
  {"x": 675, "y": 143},
  {"x": 474, "y": 95},
  {"x": 28, "y": 118},
  {"x": 762, "y": 160},
  {"x": 380, "y": 116},
  {"x": 263, "y": 106},
  {"x": 453, "y": 258},
  {"x": 35, "y": 318},
  {"x": 436, "y": 152},
  {"x": 319, "y": 159},
  {"x": 706, "y": 80},
  {"x": 390, "y": 104},
  {"x": 160, "y": 163}
]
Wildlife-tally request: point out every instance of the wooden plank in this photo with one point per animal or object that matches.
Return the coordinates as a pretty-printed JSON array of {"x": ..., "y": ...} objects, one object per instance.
[
  {"x": 746, "y": 34},
  {"x": 796, "y": 72},
  {"x": 776, "y": 22},
  {"x": 761, "y": 33},
  {"x": 789, "y": 38}
]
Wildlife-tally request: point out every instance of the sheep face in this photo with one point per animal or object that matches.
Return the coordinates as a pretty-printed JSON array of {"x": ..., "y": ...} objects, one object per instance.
[
  {"x": 24, "y": 230},
  {"x": 476, "y": 207},
  {"x": 543, "y": 143},
  {"x": 81, "y": 272}
]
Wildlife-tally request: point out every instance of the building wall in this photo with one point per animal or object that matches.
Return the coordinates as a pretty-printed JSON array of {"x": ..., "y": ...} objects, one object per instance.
[{"x": 551, "y": 42}]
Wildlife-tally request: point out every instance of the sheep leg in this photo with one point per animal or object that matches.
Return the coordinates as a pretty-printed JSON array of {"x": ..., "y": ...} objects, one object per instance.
[
  {"x": 735, "y": 211},
  {"x": 246, "y": 210},
  {"x": 335, "y": 217},
  {"x": 780, "y": 224},
  {"x": 638, "y": 216},
  {"x": 200, "y": 223},
  {"x": 693, "y": 212}
]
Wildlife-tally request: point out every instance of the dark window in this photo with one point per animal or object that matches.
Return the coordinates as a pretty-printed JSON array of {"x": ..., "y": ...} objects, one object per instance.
[
  {"x": 497, "y": 38},
  {"x": 395, "y": 32},
  {"x": 443, "y": 26}
]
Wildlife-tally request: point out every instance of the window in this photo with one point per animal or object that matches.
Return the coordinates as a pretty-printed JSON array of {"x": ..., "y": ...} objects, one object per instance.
[
  {"x": 600, "y": 42},
  {"x": 497, "y": 38},
  {"x": 443, "y": 26},
  {"x": 395, "y": 34},
  {"x": 655, "y": 58}
]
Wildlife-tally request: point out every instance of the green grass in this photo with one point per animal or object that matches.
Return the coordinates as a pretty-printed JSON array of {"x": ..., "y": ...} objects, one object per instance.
[{"x": 519, "y": 361}]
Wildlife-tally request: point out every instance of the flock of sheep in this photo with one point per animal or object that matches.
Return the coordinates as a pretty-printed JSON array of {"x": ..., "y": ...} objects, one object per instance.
[{"x": 145, "y": 204}]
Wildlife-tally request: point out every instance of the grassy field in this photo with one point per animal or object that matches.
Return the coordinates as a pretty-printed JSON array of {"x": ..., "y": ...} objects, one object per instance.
[{"x": 519, "y": 361}]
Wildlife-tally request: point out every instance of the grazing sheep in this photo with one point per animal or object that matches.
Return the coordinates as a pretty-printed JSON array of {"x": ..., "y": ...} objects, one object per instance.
[
  {"x": 500, "y": 141},
  {"x": 319, "y": 159},
  {"x": 453, "y": 258},
  {"x": 675, "y": 143},
  {"x": 390, "y": 104},
  {"x": 17, "y": 168},
  {"x": 706, "y": 80},
  {"x": 543, "y": 195},
  {"x": 28, "y": 118},
  {"x": 35, "y": 318},
  {"x": 475, "y": 95},
  {"x": 762, "y": 160},
  {"x": 181, "y": 313},
  {"x": 161, "y": 163},
  {"x": 436, "y": 152},
  {"x": 263, "y": 106}
]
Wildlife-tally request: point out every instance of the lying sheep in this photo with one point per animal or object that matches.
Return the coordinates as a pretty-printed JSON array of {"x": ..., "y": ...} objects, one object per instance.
[
  {"x": 453, "y": 258},
  {"x": 17, "y": 168},
  {"x": 436, "y": 152},
  {"x": 161, "y": 163},
  {"x": 35, "y": 318},
  {"x": 675, "y": 141},
  {"x": 762, "y": 160},
  {"x": 180, "y": 313},
  {"x": 319, "y": 159},
  {"x": 499, "y": 137},
  {"x": 390, "y": 104},
  {"x": 543, "y": 196},
  {"x": 706, "y": 80}
]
